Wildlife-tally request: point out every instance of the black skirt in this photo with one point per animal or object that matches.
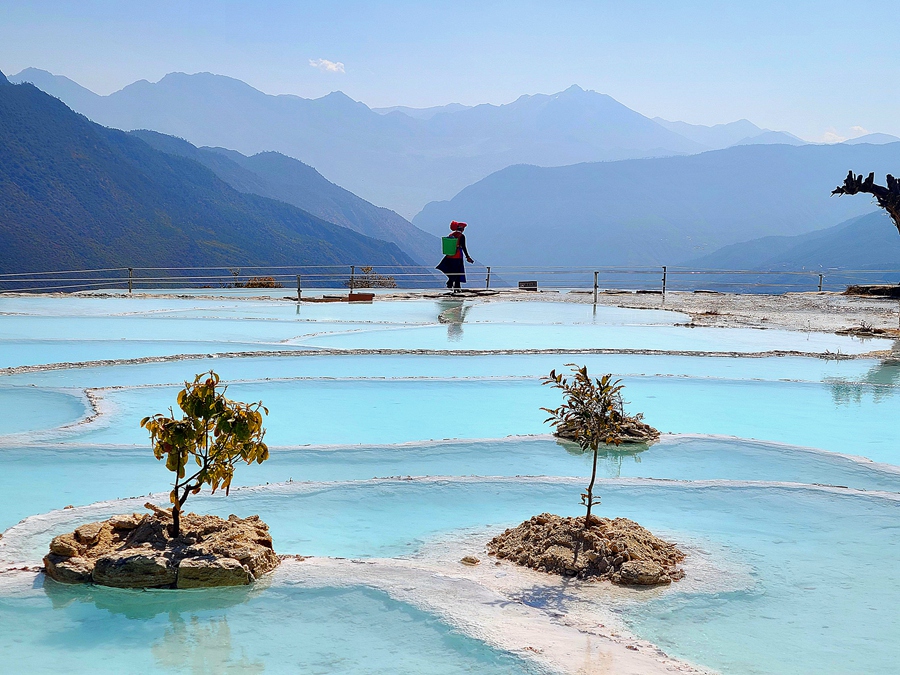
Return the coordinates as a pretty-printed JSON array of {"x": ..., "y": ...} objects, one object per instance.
[{"x": 454, "y": 268}]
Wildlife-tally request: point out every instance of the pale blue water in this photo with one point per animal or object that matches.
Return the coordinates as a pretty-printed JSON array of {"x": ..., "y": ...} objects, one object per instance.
[
  {"x": 353, "y": 630},
  {"x": 35, "y": 352},
  {"x": 47, "y": 335},
  {"x": 820, "y": 597},
  {"x": 81, "y": 476},
  {"x": 828, "y": 416},
  {"x": 31, "y": 409},
  {"x": 406, "y": 312},
  {"x": 542, "y": 336},
  {"x": 166, "y": 329},
  {"x": 821, "y": 590},
  {"x": 851, "y": 371}
]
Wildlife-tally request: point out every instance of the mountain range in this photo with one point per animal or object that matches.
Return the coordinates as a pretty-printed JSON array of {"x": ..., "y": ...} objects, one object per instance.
[
  {"x": 720, "y": 136},
  {"x": 661, "y": 211},
  {"x": 398, "y": 157},
  {"x": 856, "y": 251},
  {"x": 673, "y": 209},
  {"x": 869, "y": 242},
  {"x": 271, "y": 174},
  {"x": 74, "y": 194}
]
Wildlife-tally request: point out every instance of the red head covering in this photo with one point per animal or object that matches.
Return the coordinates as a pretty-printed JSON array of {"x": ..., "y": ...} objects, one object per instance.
[{"x": 454, "y": 226}]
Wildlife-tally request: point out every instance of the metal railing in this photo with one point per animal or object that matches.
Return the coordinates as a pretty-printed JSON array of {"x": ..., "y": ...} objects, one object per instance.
[{"x": 293, "y": 280}]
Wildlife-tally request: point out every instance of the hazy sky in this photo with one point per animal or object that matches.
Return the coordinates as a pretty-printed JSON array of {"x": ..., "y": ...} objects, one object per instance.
[{"x": 812, "y": 68}]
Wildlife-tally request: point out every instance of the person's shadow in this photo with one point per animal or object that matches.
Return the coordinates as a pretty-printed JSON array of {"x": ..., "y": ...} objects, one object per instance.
[{"x": 453, "y": 314}]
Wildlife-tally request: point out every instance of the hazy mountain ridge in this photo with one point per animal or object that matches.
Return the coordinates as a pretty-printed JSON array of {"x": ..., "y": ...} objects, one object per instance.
[
  {"x": 772, "y": 138},
  {"x": 865, "y": 242},
  {"x": 662, "y": 211},
  {"x": 74, "y": 194},
  {"x": 422, "y": 113},
  {"x": 389, "y": 159},
  {"x": 271, "y": 174},
  {"x": 716, "y": 137},
  {"x": 874, "y": 139}
]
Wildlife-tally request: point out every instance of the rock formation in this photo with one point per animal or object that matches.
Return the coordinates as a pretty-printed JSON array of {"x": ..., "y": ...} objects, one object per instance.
[
  {"x": 619, "y": 550},
  {"x": 136, "y": 551}
]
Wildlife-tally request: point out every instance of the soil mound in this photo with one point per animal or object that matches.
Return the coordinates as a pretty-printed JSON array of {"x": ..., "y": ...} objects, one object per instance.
[
  {"x": 633, "y": 430},
  {"x": 619, "y": 550},
  {"x": 136, "y": 551}
]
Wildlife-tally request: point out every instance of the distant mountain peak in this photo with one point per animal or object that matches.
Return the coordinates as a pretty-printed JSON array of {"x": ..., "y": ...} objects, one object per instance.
[
  {"x": 198, "y": 83},
  {"x": 341, "y": 97},
  {"x": 3, "y": 79},
  {"x": 873, "y": 139},
  {"x": 68, "y": 91}
]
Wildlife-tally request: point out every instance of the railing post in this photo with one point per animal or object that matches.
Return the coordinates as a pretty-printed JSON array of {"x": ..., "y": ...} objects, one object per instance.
[
  {"x": 487, "y": 279},
  {"x": 352, "y": 273},
  {"x": 595, "y": 286},
  {"x": 130, "y": 278},
  {"x": 821, "y": 278},
  {"x": 299, "y": 291},
  {"x": 664, "y": 280}
]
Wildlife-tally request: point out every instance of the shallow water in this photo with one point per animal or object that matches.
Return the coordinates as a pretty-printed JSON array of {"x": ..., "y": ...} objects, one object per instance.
[
  {"x": 828, "y": 416},
  {"x": 44, "y": 333},
  {"x": 81, "y": 476},
  {"x": 405, "y": 312},
  {"x": 846, "y": 371},
  {"x": 819, "y": 596},
  {"x": 805, "y": 606},
  {"x": 15, "y": 353},
  {"x": 542, "y": 336},
  {"x": 31, "y": 409},
  {"x": 280, "y": 629}
]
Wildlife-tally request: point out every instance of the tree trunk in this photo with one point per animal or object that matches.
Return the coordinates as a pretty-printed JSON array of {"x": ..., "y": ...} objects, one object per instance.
[
  {"x": 176, "y": 521},
  {"x": 590, "y": 492}
]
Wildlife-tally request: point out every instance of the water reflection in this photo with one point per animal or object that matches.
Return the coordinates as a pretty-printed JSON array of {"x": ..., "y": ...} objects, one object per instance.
[
  {"x": 201, "y": 647},
  {"x": 453, "y": 313},
  {"x": 610, "y": 460},
  {"x": 190, "y": 642},
  {"x": 881, "y": 381},
  {"x": 143, "y": 605}
]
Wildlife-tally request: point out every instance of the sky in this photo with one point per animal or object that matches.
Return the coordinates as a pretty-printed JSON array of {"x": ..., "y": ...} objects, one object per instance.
[{"x": 822, "y": 70}]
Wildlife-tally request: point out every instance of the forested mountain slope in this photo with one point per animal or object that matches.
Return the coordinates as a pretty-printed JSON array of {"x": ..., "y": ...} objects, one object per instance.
[
  {"x": 271, "y": 174},
  {"x": 74, "y": 194}
]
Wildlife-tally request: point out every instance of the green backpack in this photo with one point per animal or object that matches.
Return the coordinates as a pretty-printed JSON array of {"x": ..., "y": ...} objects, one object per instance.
[{"x": 449, "y": 245}]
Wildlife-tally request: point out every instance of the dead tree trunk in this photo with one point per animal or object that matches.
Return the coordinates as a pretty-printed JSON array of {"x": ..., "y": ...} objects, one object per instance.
[{"x": 888, "y": 197}]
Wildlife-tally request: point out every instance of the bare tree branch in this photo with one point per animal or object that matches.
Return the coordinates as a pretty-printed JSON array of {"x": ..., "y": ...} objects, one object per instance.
[{"x": 888, "y": 197}]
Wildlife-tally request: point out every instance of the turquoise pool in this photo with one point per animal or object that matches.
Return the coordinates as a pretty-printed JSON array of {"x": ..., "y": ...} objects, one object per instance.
[
  {"x": 784, "y": 575},
  {"x": 282, "y": 630}
]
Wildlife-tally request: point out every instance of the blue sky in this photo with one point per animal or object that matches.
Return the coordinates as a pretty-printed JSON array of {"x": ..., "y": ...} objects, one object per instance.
[{"x": 812, "y": 68}]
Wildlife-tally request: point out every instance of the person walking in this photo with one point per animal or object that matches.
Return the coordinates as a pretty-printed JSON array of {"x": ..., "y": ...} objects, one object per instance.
[{"x": 452, "y": 264}]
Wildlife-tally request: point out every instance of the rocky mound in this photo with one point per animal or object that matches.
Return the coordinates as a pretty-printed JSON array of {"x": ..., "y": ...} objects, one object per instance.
[
  {"x": 619, "y": 550},
  {"x": 136, "y": 551},
  {"x": 633, "y": 431}
]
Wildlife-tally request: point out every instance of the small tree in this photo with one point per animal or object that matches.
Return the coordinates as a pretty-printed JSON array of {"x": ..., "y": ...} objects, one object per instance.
[
  {"x": 593, "y": 412},
  {"x": 215, "y": 431}
]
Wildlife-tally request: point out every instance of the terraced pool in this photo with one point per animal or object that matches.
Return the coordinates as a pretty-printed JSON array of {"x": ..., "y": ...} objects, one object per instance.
[{"x": 785, "y": 574}]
